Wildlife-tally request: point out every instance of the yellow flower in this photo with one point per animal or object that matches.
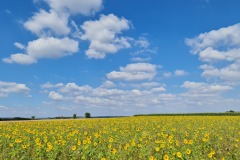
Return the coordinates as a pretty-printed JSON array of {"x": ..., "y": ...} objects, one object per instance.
[
  {"x": 79, "y": 143},
  {"x": 113, "y": 151},
  {"x": 165, "y": 157},
  {"x": 188, "y": 151},
  {"x": 179, "y": 155},
  {"x": 24, "y": 146},
  {"x": 133, "y": 143},
  {"x": 89, "y": 138},
  {"x": 210, "y": 155},
  {"x": 110, "y": 140},
  {"x": 185, "y": 141},
  {"x": 151, "y": 158},
  {"x": 74, "y": 148},
  {"x": 162, "y": 145},
  {"x": 190, "y": 142},
  {"x": 103, "y": 158},
  {"x": 84, "y": 141},
  {"x": 157, "y": 149}
]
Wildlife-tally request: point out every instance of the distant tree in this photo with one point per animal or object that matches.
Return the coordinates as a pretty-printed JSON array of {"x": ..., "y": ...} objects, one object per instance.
[
  {"x": 87, "y": 115},
  {"x": 74, "y": 116},
  {"x": 33, "y": 117},
  {"x": 231, "y": 111}
]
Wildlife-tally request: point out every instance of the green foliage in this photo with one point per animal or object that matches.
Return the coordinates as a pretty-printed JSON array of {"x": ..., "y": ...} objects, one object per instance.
[
  {"x": 33, "y": 117},
  {"x": 87, "y": 115},
  {"x": 74, "y": 116},
  {"x": 194, "y": 114}
]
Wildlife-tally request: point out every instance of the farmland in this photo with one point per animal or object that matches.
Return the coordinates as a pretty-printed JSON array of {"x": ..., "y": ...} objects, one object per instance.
[{"x": 154, "y": 137}]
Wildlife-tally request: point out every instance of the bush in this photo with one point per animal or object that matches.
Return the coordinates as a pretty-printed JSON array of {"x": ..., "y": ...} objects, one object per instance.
[{"x": 87, "y": 115}]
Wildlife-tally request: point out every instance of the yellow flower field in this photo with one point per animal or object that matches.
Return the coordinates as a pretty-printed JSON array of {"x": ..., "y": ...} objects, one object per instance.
[{"x": 131, "y": 138}]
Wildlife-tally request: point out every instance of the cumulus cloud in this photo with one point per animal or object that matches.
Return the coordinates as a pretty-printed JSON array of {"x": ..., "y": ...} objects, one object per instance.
[
  {"x": 112, "y": 97},
  {"x": 219, "y": 47},
  {"x": 45, "y": 23},
  {"x": 228, "y": 36},
  {"x": 200, "y": 87},
  {"x": 48, "y": 47},
  {"x": 7, "y": 88},
  {"x": 108, "y": 84},
  {"x": 134, "y": 72},
  {"x": 230, "y": 73},
  {"x": 103, "y": 35},
  {"x": 55, "y": 96},
  {"x": 84, "y": 7},
  {"x": 199, "y": 96}
]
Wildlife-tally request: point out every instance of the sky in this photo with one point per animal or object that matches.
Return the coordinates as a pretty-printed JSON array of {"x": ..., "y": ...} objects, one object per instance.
[{"x": 116, "y": 58}]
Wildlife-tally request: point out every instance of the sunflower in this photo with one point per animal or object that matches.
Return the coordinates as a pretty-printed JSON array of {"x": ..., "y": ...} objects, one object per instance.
[
  {"x": 179, "y": 155},
  {"x": 165, "y": 157},
  {"x": 74, "y": 148},
  {"x": 188, "y": 151}
]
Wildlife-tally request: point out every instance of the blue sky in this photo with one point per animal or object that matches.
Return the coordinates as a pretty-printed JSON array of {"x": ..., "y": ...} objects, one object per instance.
[{"x": 118, "y": 58}]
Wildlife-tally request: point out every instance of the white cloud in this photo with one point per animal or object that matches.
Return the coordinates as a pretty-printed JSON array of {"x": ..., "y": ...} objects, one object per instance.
[
  {"x": 20, "y": 58},
  {"x": 176, "y": 73},
  {"x": 134, "y": 72},
  {"x": 140, "y": 59},
  {"x": 209, "y": 55},
  {"x": 102, "y": 97},
  {"x": 228, "y": 37},
  {"x": 160, "y": 89},
  {"x": 206, "y": 67},
  {"x": 108, "y": 84},
  {"x": 200, "y": 87},
  {"x": 48, "y": 47},
  {"x": 222, "y": 48},
  {"x": 85, "y": 7},
  {"x": 7, "y": 88},
  {"x": 45, "y": 23},
  {"x": 55, "y": 96},
  {"x": 199, "y": 97},
  {"x": 146, "y": 85},
  {"x": 142, "y": 42},
  {"x": 180, "y": 73},
  {"x": 19, "y": 45},
  {"x": 103, "y": 35},
  {"x": 230, "y": 73},
  {"x": 50, "y": 85}
]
